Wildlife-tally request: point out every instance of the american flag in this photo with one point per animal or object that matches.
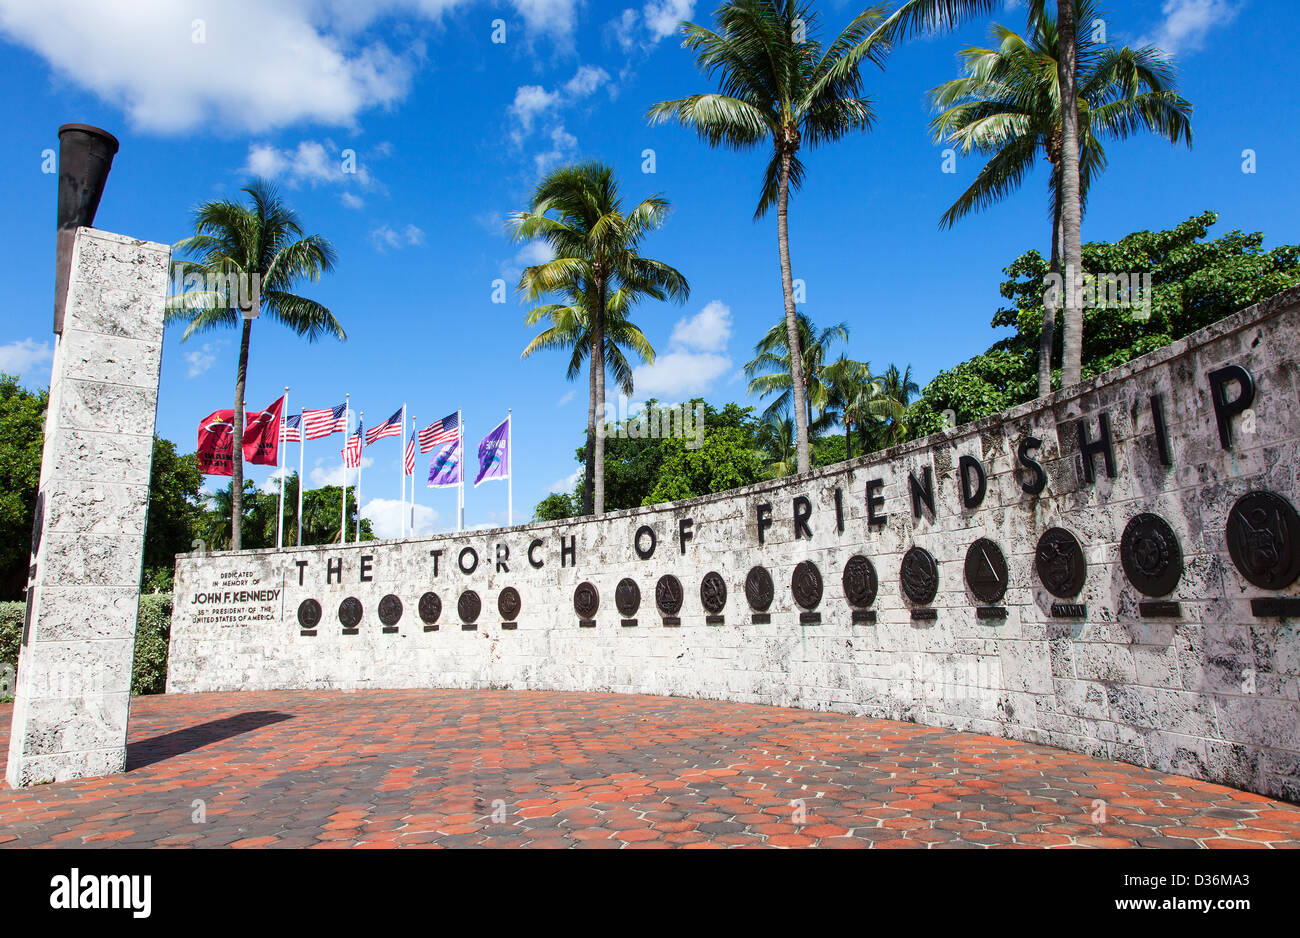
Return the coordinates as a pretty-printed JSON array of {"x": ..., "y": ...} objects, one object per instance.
[
  {"x": 439, "y": 432},
  {"x": 320, "y": 423},
  {"x": 390, "y": 427},
  {"x": 352, "y": 452},
  {"x": 410, "y": 456},
  {"x": 293, "y": 429}
]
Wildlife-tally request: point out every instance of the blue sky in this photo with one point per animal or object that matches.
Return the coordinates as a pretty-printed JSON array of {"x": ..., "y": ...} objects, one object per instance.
[{"x": 450, "y": 130}]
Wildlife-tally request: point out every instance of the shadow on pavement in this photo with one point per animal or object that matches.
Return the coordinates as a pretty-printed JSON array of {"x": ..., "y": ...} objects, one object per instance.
[{"x": 144, "y": 752}]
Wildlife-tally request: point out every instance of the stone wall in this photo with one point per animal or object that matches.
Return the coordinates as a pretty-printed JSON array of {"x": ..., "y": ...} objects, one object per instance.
[{"x": 1195, "y": 673}]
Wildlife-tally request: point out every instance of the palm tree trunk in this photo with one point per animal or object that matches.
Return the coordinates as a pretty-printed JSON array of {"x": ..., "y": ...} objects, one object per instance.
[
  {"x": 598, "y": 366},
  {"x": 588, "y": 484},
  {"x": 1071, "y": 207},
  {"x": 791, "y": 323},
  {"x": 1047, "y": 341},
  {"x": 848, "y": 442},
  {"x": 237, "y": 444}
]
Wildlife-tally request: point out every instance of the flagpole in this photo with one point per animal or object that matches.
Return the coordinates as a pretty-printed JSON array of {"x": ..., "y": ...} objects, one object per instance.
[
  {"x": 361, "y": 450},
  {"x": 343, "y": 515},
  {"x": 302, "y": 441},
  {"x": 401, "y": 468},
  {"x": 411, "y": 443},
  {"x": 460, "y": 495},
  {"x": 284, "y": 449},
  {"x": 510, "y": 475}
]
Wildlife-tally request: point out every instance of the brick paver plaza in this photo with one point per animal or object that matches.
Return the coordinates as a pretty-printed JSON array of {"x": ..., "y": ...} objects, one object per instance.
[{"x": 514, "y": 768}]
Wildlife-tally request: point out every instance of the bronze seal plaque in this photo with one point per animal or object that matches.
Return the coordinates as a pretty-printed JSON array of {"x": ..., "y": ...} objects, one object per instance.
[
  {"x": 309, "y": 613},
  {"x": 859, "y": 581},
  {"x": 806, "y": 584},
  {"x": 919, "y": 574},
  {"x": 986, "y": 571},
  {"x": 668, "y": 595},
  {"x": 469, "y": 606},
  {"x": 713, "y": 592},
  {"x": 627, "y": 597},
  {"x": 586, "y": 600},
  {"x": 350, "y": 612},
  {"x": 430, "y": 608},
  {"x": 759, "y": 590},
  {"x": 1150, "y": 554},
  {"x": 509, "y": 604},
  {"x": 1060, "y": 564},
  {"x": 390, "y": 610},
  {"x": 1264, "y": 540}
]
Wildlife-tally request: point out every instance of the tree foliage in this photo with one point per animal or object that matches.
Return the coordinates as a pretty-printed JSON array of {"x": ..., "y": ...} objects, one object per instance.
[{"x": 22, "y": 426}]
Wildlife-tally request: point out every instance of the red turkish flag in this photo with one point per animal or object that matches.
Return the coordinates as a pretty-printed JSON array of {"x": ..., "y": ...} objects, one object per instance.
[
  {"x": 262, "y": 435},
  {"x": 216, "y": 450}
]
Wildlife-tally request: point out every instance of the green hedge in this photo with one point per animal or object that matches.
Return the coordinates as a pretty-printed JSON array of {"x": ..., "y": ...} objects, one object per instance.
[{"x": 149, "y": 670}]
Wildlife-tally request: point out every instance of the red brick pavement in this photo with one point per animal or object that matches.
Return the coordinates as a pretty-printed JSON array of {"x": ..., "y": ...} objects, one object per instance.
[{"x": 446, "y": 768}]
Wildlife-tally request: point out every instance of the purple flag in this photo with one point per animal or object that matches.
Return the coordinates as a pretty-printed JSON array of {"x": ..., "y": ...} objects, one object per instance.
[
  {"x": 494, "y": 454},
  {"x": 446, "y": 466}
]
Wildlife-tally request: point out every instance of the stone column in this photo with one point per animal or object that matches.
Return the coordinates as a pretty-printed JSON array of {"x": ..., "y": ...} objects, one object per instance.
[{"x": 74, "y": 671}]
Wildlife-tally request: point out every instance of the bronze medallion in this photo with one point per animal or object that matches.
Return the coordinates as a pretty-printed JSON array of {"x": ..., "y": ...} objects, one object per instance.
[
  {"x": 309, "y": 613},
  {"x": 919, "y": 574},
  {"x": 390, "y": 610},
  {"x": 469, "y": 606},
  {"x": 668, "y": 595},
  {"x": 586, "y": 600},
  {"x": 430, "y": 608},
  {"x": 1264, "y": 540},
  {"x": 509, "y": 604},
  {"x": 1060, "y": 563},
  {"x": 986, "y": 571},
  {"x": 627, "y": 597},
  {"x": 859, "y": 581},
  {"x": 1150, "y": 554},
  {"x": 806, "y": 584},
  {"x": 350, "y": 612},
  {"x": 759, "y": 590},
  {"x": 713, "y": 592}
]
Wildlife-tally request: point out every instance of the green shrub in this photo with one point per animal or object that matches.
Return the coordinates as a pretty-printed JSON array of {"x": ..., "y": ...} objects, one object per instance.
[{"x": 148, "y": 671}]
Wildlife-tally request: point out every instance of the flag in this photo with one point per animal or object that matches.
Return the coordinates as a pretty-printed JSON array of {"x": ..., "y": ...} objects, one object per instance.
[
  {"x": 494, "y": 454},
  {"x": 390, "y": 427},
  {"x": 439, "y": 432},
  {"x": 352, "y": 452},
  {"x": 321, "y": 423},
  {"x": 293, "y": 429},
  {"x": 262, "y": 435},
  {"x": 216, "y": 450},
  {"x": 409, "y": 462},
  {"x": 445, "y": 470}
]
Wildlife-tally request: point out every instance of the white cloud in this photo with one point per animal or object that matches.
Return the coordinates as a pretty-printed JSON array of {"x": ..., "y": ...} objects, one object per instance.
[
  {"x": 656, "y": 21},
  {"x": 175, "y": 66},
  {"x": 385, "y": 237},
  {"x": 24, "y": 356},
  {"x": 272, "y": 484},
  {"x": 385, "y": 516},
  {"x": 530, "y": 255},
  {"x": 201, "y": 358},
  {"x": 695, "y": 359},
  {"x": 566, "y": 398},
  {"x": 312, "y": 162},
  {"x": 1187, "y": 23},
  {"x": 564, "y": 486},
  {"x": 351, "y": 201},
  {"x": 335, "y": 474},
  {"x": 708, "y": 330},
  {"x": 530, "y": 102},
  {"x": 662, "y": 17},
  {"x": 585, "y": 81}
]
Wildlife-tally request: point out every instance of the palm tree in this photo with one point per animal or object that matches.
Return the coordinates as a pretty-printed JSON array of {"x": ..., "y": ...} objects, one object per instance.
[
  {"x": 778, "y": 434},
  {"x": 929, "y": 15},
  {"x": 771, "y": 370},
  {"x": 1008, "y": 105},
  {"x": 571, "y": 327},
  {"x": 856, "y": 398},
  {"x": 578, "y": 212},
  {"x": 897, "y": 388},
  {"x": 263, "y": 245},
  {"x": 778, "y": 85}
]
